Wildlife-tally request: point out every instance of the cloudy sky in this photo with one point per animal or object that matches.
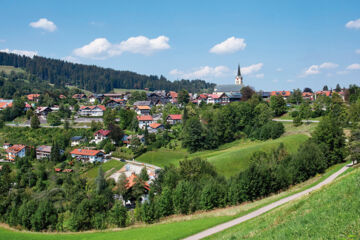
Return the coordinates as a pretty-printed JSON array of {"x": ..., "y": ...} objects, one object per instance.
[{"x": 279, "y": 44}]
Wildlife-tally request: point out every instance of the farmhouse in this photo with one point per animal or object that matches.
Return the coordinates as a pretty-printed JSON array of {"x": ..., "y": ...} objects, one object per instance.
[
  {"x": 87, "y": 155},
  {"x": 33, "y": 97},
  {"x": 17, "y": 150},
  {"x": 114, "y": 103},
  {"x": 155, "y": 127},
  {"x": 218, "y": 98},
  {"x": 44, "y": 151},
  {"x": 92, "y": 111},
  {"x": 174, "y": 119},
  {"x": 144, "y": 120},
  {"x": 142, "y": 110}
]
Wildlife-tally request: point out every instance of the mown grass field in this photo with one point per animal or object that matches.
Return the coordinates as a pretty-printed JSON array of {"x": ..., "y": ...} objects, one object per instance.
[
  {"x": 172, "y": 228},
  {"x": 331, "y": 213},
  {"x": 9, "y": 69},
  {"x": 229, "y": 159}
]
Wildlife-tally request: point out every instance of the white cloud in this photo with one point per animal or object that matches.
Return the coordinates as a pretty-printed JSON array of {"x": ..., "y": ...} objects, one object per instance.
[
  {"x": 260, "y": 75},
  {"x": 315, "y": 69},
  {"x": 290, "y": 80},
  {"x": 279, "y": 69},
  {"x": 101, "y": 48},
  {"x": 353, "y": 24},
  {"x": 328, "y": 65},
  {"x": 204, "y": 72},
  {"x": 71, "y": 59},
  {"x": 354, "y": 66},
  {"x": 20, "y": 52},
  {"x": 252, "y": 68},
  {"x": 230, "y": 45},
  {"x": 44, "y": 24},
  {"x": 357, "y": 51}
]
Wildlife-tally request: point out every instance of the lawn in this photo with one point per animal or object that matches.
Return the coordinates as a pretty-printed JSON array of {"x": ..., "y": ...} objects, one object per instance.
[
  {"x": 123, "y": 90},
  {"x": 173, "y": 228},
  {"x": 330, "y": 213},
  {"x": 229, "y": 159},
  {"x": 9, "y": 69},
  {"x": 111, "y": 166}
]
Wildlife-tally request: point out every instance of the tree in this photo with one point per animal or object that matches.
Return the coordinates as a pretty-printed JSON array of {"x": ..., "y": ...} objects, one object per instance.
[
  {"x": 35, "y": 122},
  {"x": 278, "y": 105},
  {"x": 192, "y": 134},
  {"x": 109, "y": 117},
  {"x": 183, "y": 97},
  {"x": 55, "y": 153},
  {"x": 2, "y": 123},
  {"x": 263, "y": 114},
  {"x": 338, "y": 88},
  {"x": 29, "y": 114},
  {"x": 100, "y": 181},
  {"x": 146, "y": 135},
  {"x": 165, "y": 203},
  {"x": 308, "y": 90},
  {"x": 195, "y": 169},
  {"x": 116, "y": 134},
  {"x": 325, "y": 88},
  {"x": 109, "y": 147},
  {"x": 119, "y": 214},
  {"x": 121, "y": 185},
  {"x": 53, "y": 119},
  {"x": 305, "y": 111},
  {"x": 246, "y": 93},
  {"x": 144, "y": 175},
  {"x": 296, "y": 97},
  {"x": 66, "y": 125}
]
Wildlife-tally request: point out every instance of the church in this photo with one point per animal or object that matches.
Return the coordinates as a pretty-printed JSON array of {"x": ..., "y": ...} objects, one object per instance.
[{"x": 231, "y": 88}]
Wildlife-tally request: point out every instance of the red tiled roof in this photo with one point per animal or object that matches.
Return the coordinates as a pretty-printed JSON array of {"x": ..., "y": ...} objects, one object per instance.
[
  {"x": 62, "y": 96},
  {"x": 15, "y": 148},
  {"x": 173, "y": 94},
  {"x": 102, "y": 132},
  {"x": 203, "y": 96},
  {"x": 145, "y": 118},
  {"x": 57, "y": 169},
  {"x": 143, "y": 107},
  {"x": 307, "y": 94},
  {"x": 85, "y": 152},
  {"x": 327, "y": 93},
  {"x": 4, "y": 105},
  {"x": 27, "y": 105},
  {"x": 282, "y": 93},
  {"x": 155, "y": 125},
  {"x": 131, "y": 181},
  {"x": 31, "y": 97},
  {"x": 175, "y": 116},
  {"x": 117, "y": 100}
]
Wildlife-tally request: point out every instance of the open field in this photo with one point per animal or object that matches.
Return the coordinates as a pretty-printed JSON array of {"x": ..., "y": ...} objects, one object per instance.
[
  {"x": 229, "y": 159},
  {"x": 176, "y": 227},
  {"x": 111, "y": 166},
  {"x": 9, "y": 69},
  {"x": 123, "y": 90},
  {"x": 330, "y": 213}
]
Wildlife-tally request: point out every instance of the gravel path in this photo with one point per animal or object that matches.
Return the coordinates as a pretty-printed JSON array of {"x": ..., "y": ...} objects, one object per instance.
[{"x": 265, "y": 209}]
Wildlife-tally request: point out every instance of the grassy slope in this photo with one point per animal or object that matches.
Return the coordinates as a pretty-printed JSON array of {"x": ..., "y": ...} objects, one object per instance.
[
  {"x": 176, "y": 227},
  {"x": 331, "y": 213},
  {"x": 111, "y": 166},
  {"x": 8, "y": 69},
  {"x": 229, "y": 159}
]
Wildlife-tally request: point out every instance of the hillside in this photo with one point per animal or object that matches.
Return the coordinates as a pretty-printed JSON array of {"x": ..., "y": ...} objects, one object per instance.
[
  {"x": 229, "y": 159},
  {"x": 331, "y": 213},
  {"x": 93, "y": 78}
]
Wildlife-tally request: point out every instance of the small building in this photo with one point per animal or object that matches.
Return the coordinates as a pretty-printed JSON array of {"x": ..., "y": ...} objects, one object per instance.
[
  {"x": 114, "y": 95},
  {"x": 142, "y": 103},
  {"x": 17, "y": 150},
  {"x": 173, "y": 97},
  {"x": 87, "y": 155},
  {"x": 265, "y": 95},
  {"x": 127, "y": 139},
  {"x": 234, "y": 96},
  {"x": 77, "y": 140},
  {"x": 44, "y": 151},
  {"x": 79, "y": 96},
  {"x": 101, "y": 135},
  {"x": 94, "y": 97},
  {"x": 144, "y": 120},
  {"x": 5, "y": 104},
  {"x": 174, "y": 119},
  {"x": 92, "y": 111},
  {"x": 43, "y": 111},
  {"x": 308, "y": 96},
  {"x": 142, "y": 110},
  {"x": 284, "y": 94},
  {"x": 114, "y": 103},
  {"x": 33, "y": 97},
  {"x": 155, "y": 127},
  {"x": 222, "y": 99}
]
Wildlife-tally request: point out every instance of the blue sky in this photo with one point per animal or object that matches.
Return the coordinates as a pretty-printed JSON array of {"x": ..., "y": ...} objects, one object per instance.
[{"x": 280, "y": 45}]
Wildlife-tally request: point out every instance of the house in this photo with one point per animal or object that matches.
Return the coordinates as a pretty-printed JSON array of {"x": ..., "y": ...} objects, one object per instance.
[
  {"x": 144, "y": 120},
  {"x": 33, "y": 97},
  {"x": 4, "y": 105},
  {"x": 222, "y": 99},
  {"x": 265, "y": 95},
  {"x": 127, "y": 139},
  {"x": 43, "y": 111},
  {"x": 142, "y": 110},
  {"x": 94, "y": 97},
  {"x": 27, "y": 107},
  {"x": 43, "y": 152},
  {"x": 7, "y": 145},
  {"x": 308, "y": 96},
  {"x": 114, "y": 103},
  {"x": 101, "y": 135},
  {"x": 17, "y": 150},
  {"x": 142, "y": 103},
  {"x": 77, "y": 140},
  {"x": 79, "y": 96},
  {"x": 234, "y": 96},
  {"x": 87, "y": 155},
  {"x": 323, "y": 93},
  {"x": 92, "y": 111},
  {"x": 114, "y": 95},
  {"x": 155, "y": 127},
  {"x": 173, "y": 97},
  {"x": 284, "y": 94},
  {"x": 202, "y": 98},
  {"x": 174, "y": 119}
]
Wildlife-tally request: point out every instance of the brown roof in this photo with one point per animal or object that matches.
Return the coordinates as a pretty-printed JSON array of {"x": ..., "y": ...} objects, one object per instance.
[
  {"x": 155, "y": 125},
  {"x": 175, "y": 116},
  {"x": 144, "y": 118},
  {"x": 131, "y": 181},
  {"x": 85, "y": 152},
  {"x": 143, "y": 107},
  {"x": 15, "y": 148},
  {"x": 282, "y": 93}
]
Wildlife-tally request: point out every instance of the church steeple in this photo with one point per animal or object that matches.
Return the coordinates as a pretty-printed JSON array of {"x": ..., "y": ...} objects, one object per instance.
[{"x": 239, "y": 78}]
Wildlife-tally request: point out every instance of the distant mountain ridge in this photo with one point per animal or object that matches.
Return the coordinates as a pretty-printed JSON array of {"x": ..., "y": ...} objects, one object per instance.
[{"x": 96, "y": 79}]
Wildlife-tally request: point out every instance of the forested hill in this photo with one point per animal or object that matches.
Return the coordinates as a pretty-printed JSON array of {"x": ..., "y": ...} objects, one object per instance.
[{"x": 93, "y": 78}]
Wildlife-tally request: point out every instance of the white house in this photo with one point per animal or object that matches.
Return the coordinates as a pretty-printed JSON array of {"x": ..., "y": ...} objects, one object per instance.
[
  {"x": 155, "y": 127},
  {"x": 92, "y": 111},
  {"x": 101, "y": 135},
  {"x": 87, "y": 155},
  {"x": 144, "y": 120},
  {"x": 174, "y": 118},
  {"x": 77, "y": 140}
]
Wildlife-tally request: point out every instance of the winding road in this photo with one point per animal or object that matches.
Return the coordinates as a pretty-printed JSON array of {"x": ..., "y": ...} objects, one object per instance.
[{"x": 265, "y": 209}]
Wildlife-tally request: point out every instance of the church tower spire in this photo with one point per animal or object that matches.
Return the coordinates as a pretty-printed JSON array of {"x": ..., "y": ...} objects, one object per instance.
[{"x": 239, "y": 78}]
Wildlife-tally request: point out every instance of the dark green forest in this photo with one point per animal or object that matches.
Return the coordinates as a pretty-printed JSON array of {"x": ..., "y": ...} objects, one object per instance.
[{"x": 93, "y": 78}]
